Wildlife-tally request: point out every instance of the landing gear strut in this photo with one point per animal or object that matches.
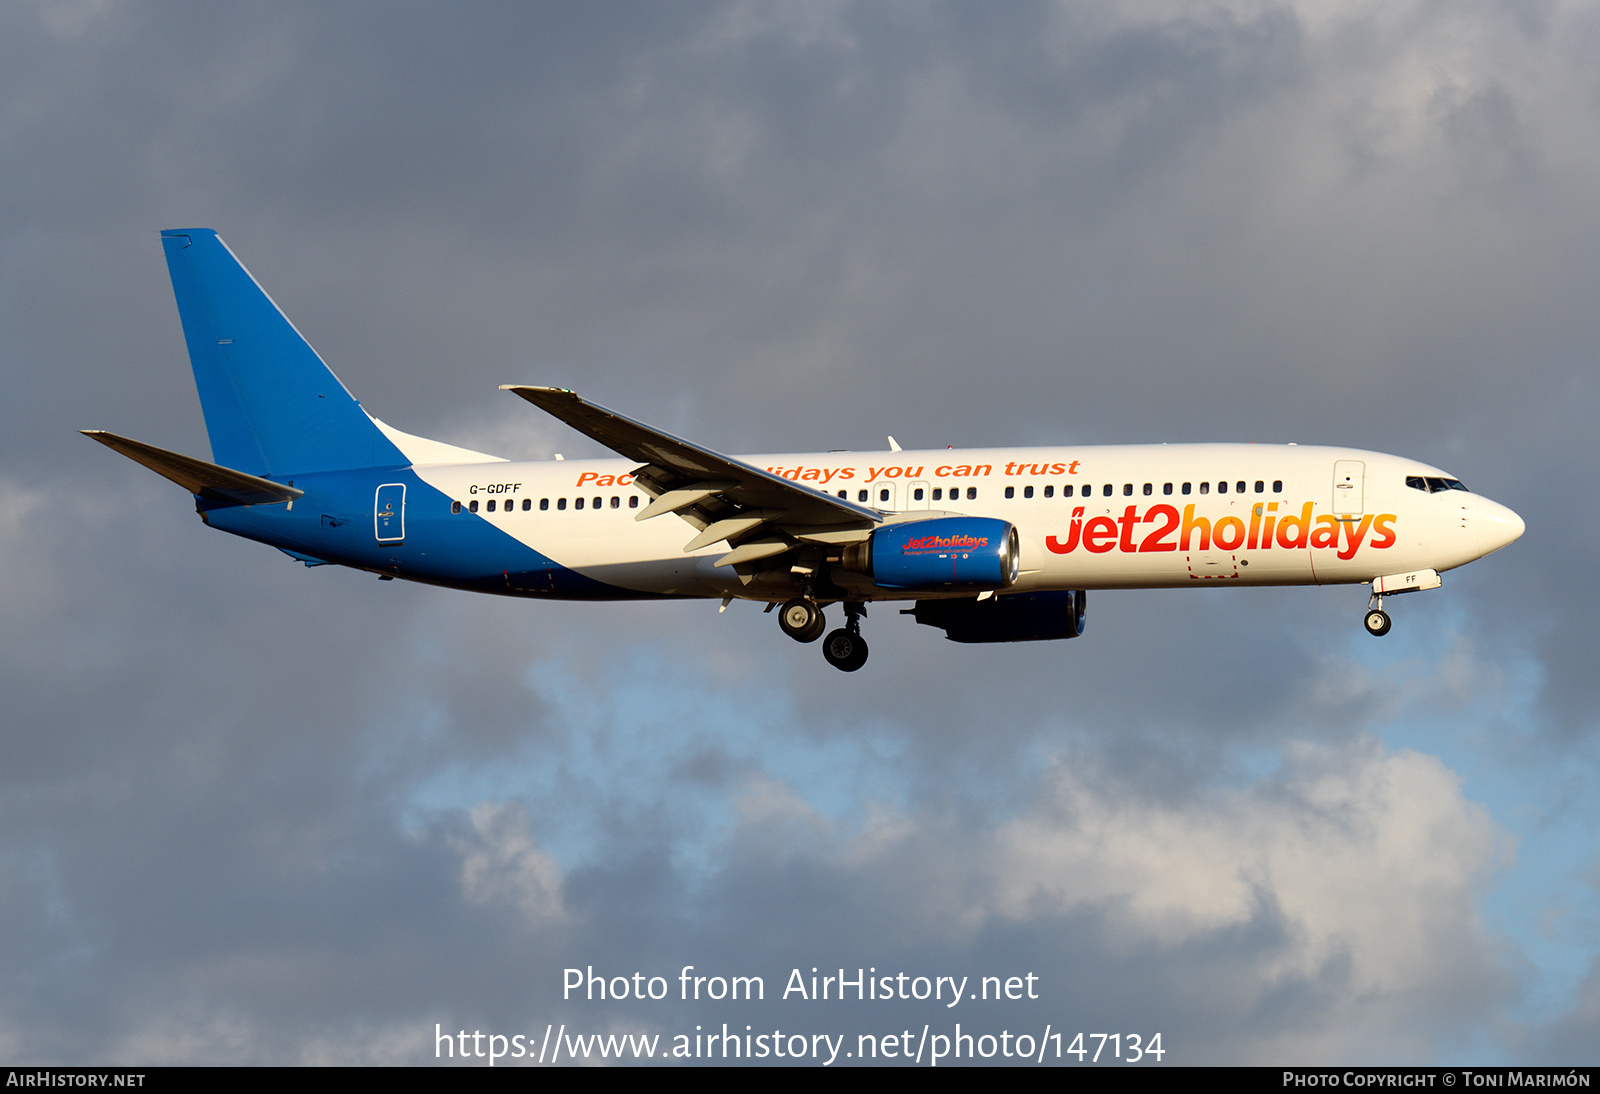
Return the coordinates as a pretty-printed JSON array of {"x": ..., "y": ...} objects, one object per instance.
[
  {"x": 802, "y": 620},
  {"x": 1377, "y": 619},
  {"x": 845, "y": 649}
]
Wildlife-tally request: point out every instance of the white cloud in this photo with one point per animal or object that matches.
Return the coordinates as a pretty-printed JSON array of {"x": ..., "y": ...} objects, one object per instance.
[
  {"x": 1366, "y": 855},
  {"x": 1326, "y": 912},
  {"x": 501, "y": 864}
]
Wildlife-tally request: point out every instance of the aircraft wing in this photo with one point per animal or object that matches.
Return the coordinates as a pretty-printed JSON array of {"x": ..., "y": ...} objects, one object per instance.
[
  {"x": 207, "y": 480},
  {"x": 760, "y": 514}
]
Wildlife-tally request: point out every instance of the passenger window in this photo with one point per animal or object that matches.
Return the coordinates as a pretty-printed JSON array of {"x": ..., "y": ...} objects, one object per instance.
[
  {"x": 1240, "y": 488},
  {"x": 490, "y": 506},
  {"x": 1277, "y": 486},
  {"x": 577, "y": 503},
  {"x": 1205, "y": 488},
  {"x": 455, "y": 507},
  {"x": 544, "y": 503},
  {"x": 616, "y": 501},
  {"x": 938, "y": 493},
  {"x": 883, "y": 495},
  {"x": 1066, "y": 491},
  {"x": 1186, "y": 488},
  {"x": 861, "y": 495},
  {"x": 597, "y": 502},
  {"x": 841, "y": 494},
  {"x": 561, "y": 503},
  {"x": 472, "y": 506},
  {"x": 633, "y": 501},
  {"x": 972, "y": 493},
  {"x": 1127, "y": 489},
  {"x": 1106, "y": 490},
  {"x": 1166, "y": 488},
  {"x": 1011, "y": 491},
  {"x": 917, "y": 493},
  {"x": 1027, "y": 491},
  {"x": 1148, "y": 490},
  {"x": 1050, "y": 491},
  {"x": 1261, "y": 487},
  {"x": 1222, "y": 488}
]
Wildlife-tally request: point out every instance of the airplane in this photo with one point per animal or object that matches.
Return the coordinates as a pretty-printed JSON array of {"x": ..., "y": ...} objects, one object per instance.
[{"x": 988, "y": 545}]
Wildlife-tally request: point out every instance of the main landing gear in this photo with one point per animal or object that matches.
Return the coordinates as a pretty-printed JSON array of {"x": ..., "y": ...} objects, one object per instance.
[
  {"x": 1377, "y": 619},
  {"x": 802, "y": 620},
  {"x": 845, "y": 649}
]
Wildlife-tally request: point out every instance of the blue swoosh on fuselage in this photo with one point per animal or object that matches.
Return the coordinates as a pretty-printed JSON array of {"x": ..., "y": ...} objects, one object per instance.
[{"x": 333, "y": 521}]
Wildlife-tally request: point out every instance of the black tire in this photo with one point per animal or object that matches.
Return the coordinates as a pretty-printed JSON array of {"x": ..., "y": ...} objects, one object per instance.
[
  {"x": 845, "y": 651},
  {"x": 1377, "y": 622},
  {"x": 802, "y": 620}
]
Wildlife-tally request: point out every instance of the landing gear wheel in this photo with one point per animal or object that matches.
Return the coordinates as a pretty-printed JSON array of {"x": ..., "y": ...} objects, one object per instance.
[
  {"x": 845, "y": 651},
  {"x": 1377, "y": 622},
  {"x": 802, "y": 620}
]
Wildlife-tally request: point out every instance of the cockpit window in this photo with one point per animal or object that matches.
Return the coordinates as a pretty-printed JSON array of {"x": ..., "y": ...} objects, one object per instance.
[{"x": 1432, "y": 485}]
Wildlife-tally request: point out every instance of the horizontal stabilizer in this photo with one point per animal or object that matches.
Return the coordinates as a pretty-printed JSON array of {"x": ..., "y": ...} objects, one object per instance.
[{"x": 207, "y": 480}]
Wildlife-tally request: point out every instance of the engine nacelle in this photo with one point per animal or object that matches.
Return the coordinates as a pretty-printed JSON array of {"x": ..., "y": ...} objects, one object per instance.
[
  {"x": 1025, "y": 617},
  {"x": 943, "y": 553}
]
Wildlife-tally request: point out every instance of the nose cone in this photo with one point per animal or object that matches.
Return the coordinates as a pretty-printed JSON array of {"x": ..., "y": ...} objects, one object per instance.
[{"x": 1497, "y": 525}]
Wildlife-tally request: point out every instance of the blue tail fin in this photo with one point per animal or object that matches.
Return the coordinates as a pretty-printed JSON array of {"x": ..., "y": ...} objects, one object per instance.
[{"x": 271, "y": 405}]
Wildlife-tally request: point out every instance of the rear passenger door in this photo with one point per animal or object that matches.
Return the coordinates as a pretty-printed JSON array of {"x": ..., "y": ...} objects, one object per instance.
[{"x": 389, "y": 513}]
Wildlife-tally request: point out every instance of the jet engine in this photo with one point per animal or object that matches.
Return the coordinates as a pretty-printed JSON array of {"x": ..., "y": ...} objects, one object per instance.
[
  {"x": 1024, "y": 617},
  {"x": 978, "y": 553}
]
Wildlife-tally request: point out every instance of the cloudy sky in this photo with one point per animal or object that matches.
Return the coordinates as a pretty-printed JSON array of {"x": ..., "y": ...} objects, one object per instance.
[{"x": 255, "y": 813}]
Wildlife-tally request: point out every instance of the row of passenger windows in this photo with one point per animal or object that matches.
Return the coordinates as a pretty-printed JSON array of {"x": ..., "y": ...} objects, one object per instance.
[
  {"x": 1434, "y": 486},
  {"x": 919, "y": 494},
  {"x": 1240, "y": 486},
  {"x": 510, "y": 504},
  {"x": 885, "y": 494}
]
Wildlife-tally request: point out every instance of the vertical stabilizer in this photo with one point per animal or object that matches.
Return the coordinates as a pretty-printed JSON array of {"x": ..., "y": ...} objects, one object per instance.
[{"x": 272, "y": 407}]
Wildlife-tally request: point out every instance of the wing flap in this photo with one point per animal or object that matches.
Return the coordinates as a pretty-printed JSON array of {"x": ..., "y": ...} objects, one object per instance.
[
  {"x": 674, "y": 500},
  {"x": 729, "y": 528},
  {"x": 756, "y": 551}
]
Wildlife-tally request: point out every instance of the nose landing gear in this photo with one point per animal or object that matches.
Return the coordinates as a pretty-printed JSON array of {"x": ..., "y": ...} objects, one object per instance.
[
  {"x": 845, "y": 649},
  {"x": 1377, "y": 620},
  {"x": 1415, "y": 581}
]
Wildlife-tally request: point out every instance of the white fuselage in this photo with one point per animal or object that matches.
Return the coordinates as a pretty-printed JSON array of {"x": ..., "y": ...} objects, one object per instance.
[{"x": 1102, "y": 517}]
